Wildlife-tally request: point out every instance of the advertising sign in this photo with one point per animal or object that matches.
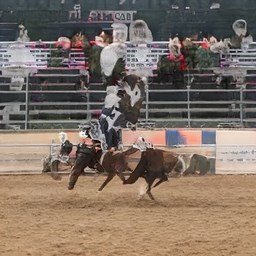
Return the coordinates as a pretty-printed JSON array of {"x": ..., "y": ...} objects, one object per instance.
[
  {"x": 111, "y": 16},
  {"x": 236, "y": 152},
  {"x": 156, "y": 137}
]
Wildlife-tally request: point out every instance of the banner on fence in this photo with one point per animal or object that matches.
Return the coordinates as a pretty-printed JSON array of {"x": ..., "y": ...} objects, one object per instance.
[
  {"x": 156, "y": 137},
  {"x": 183, "y": 137},
  {"x": 236, "y": 152}
]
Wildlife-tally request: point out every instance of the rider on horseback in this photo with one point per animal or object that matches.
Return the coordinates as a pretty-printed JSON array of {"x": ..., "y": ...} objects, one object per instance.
[
  {"x": 87, "y": 142},
  {"x": 89, "y": 146}
]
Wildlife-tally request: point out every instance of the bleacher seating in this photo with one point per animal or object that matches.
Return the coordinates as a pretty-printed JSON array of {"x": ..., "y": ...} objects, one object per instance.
[{"x": 56, "y": 99}]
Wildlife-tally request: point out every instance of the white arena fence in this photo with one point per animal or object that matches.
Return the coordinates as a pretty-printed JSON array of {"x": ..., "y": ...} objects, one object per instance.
[
  {"x": 23, "y": 158},
  {"x": 44, "y": 51},
  {"x": 224, "y": 159},
  {"x": 165, "y": 107},
  {"x": 28, "y": 158}
]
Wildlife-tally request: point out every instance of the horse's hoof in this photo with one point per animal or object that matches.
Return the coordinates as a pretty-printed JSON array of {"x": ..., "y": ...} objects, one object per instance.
[
  {"x": 139, "y": 198},
  {"x": 55, "y": 176},
  {"x": 70, "y": 187}
]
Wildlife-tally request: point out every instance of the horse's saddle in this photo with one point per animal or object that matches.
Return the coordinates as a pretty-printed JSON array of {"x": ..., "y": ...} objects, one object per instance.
[{"x": 85, "y": 149}]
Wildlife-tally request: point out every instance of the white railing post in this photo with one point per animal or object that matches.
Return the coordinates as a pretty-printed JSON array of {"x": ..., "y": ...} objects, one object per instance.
[
  {"x": 188, "y": 105},
  {"x": 147, "y": 102},
  {"x": 88, "y": 114},
  {"x": 241, "y": 105},
  {"x": 27, "y": 102}
]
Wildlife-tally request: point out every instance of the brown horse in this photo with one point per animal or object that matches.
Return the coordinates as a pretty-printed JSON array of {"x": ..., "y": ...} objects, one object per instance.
[
  {"x": 156, "y": 164},
  {"x": 113, "y": 163},
  {"x": 150, "y": 164}
]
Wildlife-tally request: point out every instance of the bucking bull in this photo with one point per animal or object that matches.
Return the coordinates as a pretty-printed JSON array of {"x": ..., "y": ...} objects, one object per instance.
[{"x": 141, "y": 160}]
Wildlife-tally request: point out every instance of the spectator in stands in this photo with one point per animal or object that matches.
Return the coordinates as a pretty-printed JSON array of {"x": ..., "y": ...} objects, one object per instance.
[
  {"x": 179, "y": 63},
  {"x": 107, "y": 37},
  {"x": 212, "y": 40},
  {"x": 63, "y": 44},
  {"x": 23, "y": 34},
  {"x": 247, "y": 39},
  {"x": 188, "y": 50},
  {"x": 77, "y": 41},
  {"x": 101, "y": 40},
  {"x": 81, "y": 85},
  {"x": 240, "y": 30}
]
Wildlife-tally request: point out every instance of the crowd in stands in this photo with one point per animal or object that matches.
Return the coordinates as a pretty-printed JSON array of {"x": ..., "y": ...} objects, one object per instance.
[
  {"x": 194, "y": 52},
  {"x": 198, "y": 51}
]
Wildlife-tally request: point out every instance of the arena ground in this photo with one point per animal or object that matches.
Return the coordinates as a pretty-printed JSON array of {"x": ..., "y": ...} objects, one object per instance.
[{"x": 210, "y": 215}]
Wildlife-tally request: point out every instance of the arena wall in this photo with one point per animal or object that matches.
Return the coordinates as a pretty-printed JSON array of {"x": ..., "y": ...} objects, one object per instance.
[
  {"x": 233, "y": 151},
  {"x": 236, "y": 152}
]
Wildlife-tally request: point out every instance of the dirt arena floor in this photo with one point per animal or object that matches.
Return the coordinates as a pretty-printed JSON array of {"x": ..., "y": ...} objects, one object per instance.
[{"x": 203, "y": 216}]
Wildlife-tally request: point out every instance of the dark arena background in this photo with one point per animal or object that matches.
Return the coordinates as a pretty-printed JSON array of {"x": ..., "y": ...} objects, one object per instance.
[
  {"x": 165, "y": 17},
  {"x": 193, "y": 102}
]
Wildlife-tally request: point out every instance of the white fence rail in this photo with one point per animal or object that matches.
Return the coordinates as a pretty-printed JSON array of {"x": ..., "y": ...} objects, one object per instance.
[
  {"x": 28, "y": 158},
  {"x": 225, "y": 159},
  {"x": 182, "y": 109},
  {"x": 170, "y": 108}
]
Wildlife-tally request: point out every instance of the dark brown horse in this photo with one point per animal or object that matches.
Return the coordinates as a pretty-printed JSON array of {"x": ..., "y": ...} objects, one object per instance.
[
  {"x": 150, "y": 164},
  {"x": 156, "y": 164},
  {"x": 112, "y": 163}
]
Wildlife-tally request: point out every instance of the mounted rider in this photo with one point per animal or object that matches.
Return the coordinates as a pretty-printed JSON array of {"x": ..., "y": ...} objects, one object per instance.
[
  {"x": 89, "y": 146},
  {"x": 87, "y": 143}
]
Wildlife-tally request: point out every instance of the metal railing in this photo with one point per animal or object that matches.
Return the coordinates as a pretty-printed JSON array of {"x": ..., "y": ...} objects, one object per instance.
[
  {"x": 186, "y": 107},
  {"x": 165, "y": 107},
  {"x": 30, "y": 157}
]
